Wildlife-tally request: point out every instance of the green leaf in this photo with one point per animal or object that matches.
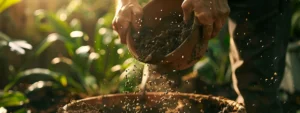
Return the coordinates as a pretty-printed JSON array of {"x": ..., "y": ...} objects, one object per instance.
[
  {"x": 75, "y": 24},
  {"x": 63, "y": 81},
  {"x": 51, "y": 38},
  {"x": 33, "y": 75},
  {"x": 206, "y": 70},
  {"x": 39, "y": 85},
  {"x": 73, "y": 6},
  {"x": 131, "y": 77},
  {"x": 4, "y": 4},
  {"x": 8, "y": 99},
  {"x": 91, "y": 84},
  {"x": 22, "y": 110},
  {"x": 4, "y": 37},
  {"x": 61, "y": 27}
]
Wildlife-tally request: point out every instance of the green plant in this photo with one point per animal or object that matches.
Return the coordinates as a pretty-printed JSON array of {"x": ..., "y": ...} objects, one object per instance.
[
  {"x": 4, "y": 4},
  {"x": 86, "y": 70},
  {"x": 214, "y": 67}
]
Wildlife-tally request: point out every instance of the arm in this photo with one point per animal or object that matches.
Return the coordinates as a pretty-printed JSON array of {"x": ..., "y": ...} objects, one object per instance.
[
  {"x": 212, "y": 14},
  {"x": 128, "y": 13}
]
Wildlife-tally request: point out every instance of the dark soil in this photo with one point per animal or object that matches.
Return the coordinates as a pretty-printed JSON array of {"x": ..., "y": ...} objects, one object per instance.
[{"x": 153, "y": 44}]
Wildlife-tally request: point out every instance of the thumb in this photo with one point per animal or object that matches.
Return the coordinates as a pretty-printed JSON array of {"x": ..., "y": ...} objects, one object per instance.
[{"x": 187, "y": 8}]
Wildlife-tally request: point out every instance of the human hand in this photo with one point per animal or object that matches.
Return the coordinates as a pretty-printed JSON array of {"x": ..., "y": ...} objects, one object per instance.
[
  {"x": 128, "y": 14},
  {"x": 212, "y": 14}
]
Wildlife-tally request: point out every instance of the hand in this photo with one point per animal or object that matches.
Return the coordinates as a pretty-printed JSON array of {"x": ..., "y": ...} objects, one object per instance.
[
  {"x": 212, "y": 14},
  {"x": 128, "y": 14}
]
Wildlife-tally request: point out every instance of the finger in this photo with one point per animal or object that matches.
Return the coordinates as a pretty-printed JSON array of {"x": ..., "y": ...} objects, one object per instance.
[
  {"x": 207, "y": 31},
  {"x": 205, "y": 17},
  {"x": 114, "y": 23},
  {"x": 217, "y": 27},
  {"x": 122, "y": 29},
  {"x": 187, "y": 8},
  {"x": 136, "y": 19},
  {"x": 128, "y": 35}
]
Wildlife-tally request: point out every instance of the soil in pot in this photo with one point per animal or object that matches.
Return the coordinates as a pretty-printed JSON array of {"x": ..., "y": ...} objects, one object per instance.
[
  {"x": 153, "y": 44},
  {"x": 155, "y": 103}
]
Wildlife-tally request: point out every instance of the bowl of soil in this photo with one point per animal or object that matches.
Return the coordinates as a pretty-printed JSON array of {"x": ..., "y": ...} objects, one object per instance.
[
  {"x": 165, "y": 39},
  {"x": 153, "y": 102}
]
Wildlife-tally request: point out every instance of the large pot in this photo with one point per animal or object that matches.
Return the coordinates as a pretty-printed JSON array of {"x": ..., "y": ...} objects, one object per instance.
[
  {"x": 186, "y": 54},
  {"x": 155, "y": 102}
]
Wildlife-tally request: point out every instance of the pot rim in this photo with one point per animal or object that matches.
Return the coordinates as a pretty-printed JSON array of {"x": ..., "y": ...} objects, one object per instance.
[{"x": 240, "y": 107}]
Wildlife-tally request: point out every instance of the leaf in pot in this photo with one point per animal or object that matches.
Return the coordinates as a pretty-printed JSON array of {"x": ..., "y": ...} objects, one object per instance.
[
  {"x": 12, "y": 98},
  {"x": 33, "y": 75},
  {"x": 4, "y": 4}
]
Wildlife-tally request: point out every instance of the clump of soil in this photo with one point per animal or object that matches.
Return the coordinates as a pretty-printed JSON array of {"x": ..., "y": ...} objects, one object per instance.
[{"x": 153, "y": 44}]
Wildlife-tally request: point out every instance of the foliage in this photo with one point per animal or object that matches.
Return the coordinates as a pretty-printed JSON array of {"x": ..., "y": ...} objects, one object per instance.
[
  {"x": 12, "y": 99},
  {"x": 14, "y": 45},
  {"x": 214, "y": 67},
  {"x": 86, "y": 70},
  {"x": 4, "y": 4}
]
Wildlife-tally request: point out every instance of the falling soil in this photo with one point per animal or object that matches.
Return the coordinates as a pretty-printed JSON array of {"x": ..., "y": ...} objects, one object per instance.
[
  {"x": 159, "y": 104},
  {"x": 153, "y": 44}
]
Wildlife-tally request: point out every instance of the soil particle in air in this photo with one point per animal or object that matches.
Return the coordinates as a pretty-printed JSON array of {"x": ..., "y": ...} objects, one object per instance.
[{"x": 153, "y": 44}]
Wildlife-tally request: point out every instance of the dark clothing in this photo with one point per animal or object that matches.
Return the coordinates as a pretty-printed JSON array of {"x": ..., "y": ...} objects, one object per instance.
[{"x": 259, "y": 31}]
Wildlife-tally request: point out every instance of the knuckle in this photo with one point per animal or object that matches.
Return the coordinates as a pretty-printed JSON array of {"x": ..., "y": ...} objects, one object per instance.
[
  {"x": 185, "y": 5},
  {"x": 225, "y": 11},
  {"x": 138, "y": 12},
  {"x": 114, "y": 23},
  {"x": 205, "y": 17}
]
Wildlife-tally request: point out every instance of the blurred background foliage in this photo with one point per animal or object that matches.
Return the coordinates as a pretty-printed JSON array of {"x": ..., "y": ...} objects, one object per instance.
[{"x": 56, "y": 51}]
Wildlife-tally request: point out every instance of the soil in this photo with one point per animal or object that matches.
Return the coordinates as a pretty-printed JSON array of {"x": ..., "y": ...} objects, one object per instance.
[
  {"x": 153, "y": 44},
  {"x": 164, "y": 104}
]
